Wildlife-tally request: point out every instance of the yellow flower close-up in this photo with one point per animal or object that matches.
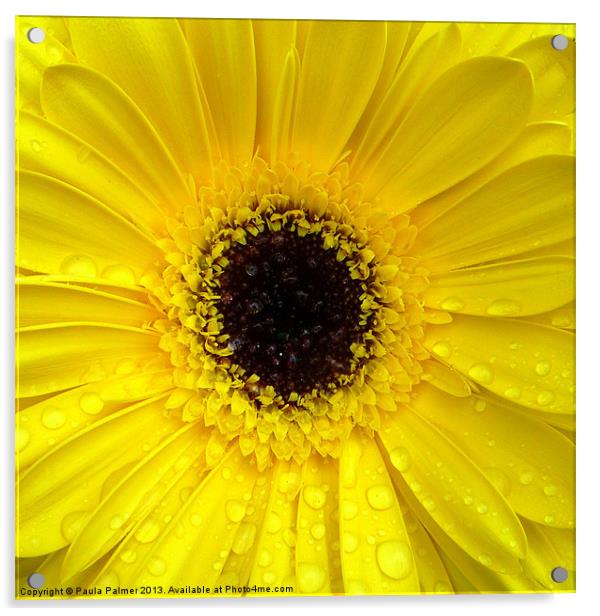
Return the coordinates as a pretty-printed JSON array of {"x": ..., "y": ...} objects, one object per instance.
[{"x": 295, "y": 307}]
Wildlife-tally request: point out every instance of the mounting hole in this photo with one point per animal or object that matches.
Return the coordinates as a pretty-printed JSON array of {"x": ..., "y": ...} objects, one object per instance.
[
  {"x": 36, "y": 35},
  {"x": 560, "y": 42},
  {"x": 559, "y": 575},
  {"x": 36, "y": 580}
]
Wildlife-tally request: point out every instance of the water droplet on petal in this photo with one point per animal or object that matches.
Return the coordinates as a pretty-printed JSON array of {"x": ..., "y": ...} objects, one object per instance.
[
  {"x": 244, "y": 538},
  {"x": 349, "y": 542},
  {"x": 545, "y": 397},
  {"x": 265, "y": 558},
  {"x": 148, "y": 531},
  {"x": 317, "y": 531},
  {"x": 482, "y": 508},
  {"x": 79, "y": 265},
  {"x": 442, "y": 349},
  {"x": 116, "y": 522},
  {"x": 479, "y": 405},
  {"x": 550, "y": 489},
  {"x": 91, "y": 403},
  {"x": 543, "y": 367},
  {"x": 310, "y": 577},
  {"x": 504, "y": 308},
  {"x": 235, "y": 510},
  {"x": 72, "y": 523},
  {"x": 53, "y": 418},
  {"x": 481, "y": 373},
  {"x": 273, "y": 522},
  {"x": 128, "y": 556},
  {"x": 314, "y": 496},
  {"x": 526, "y": 478},
  {"x": 380, "y": 497},
  {"x": 120, "y": 274},
  {"x": 349, "y": 509},
  {"x": 453, "y": 304},
  {"x": 512, "y": 393},
  {"x": 428, "y": 503},
  {"x": 157, "y": 566},
  {"x": 400, "y": 458},
  {"x": 485, "y": 560},
  {"x": 395, "y": 559},
  {"x": 22, "y": 438},
  {"x": 195, "y": 519}
]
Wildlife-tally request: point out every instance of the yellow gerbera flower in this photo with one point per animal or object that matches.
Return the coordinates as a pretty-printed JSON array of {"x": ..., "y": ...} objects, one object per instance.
[{"x": 295, "y": 305}]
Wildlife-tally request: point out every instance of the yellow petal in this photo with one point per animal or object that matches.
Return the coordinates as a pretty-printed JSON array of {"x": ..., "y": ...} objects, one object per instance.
[
  {"x": 467, "y": 117},
  {"x": 489, "y": 39},
  {"x": 33, "y": 59},
  {"x": 375, "y": 547},
  {"x": 284, "y": 106},
  {"x": 445, "y": 378},
  {"x": 429, "y": 61},
  {"x": 208, "y": 523},
  {"x": 340, "y": 67},
  {"x": 223, "y": 50},
  {"x": 524, "y": 362},
  {"x": 65, "y": 231},
  {"x": 273, "y": 39},
  {"x": 52, "y": 302},
  {"x": 129, "y": 557},
  {"x": 46, "y": 148},
  {"x": 318, "y": 566},
  {"x": 537, "y": 139},
  {"x": 239, "y": 563},
  {"x": 275, "y": 547},
  {"x": 56, "y": 495},
  {"x": 553, "y": 76},
  {"x": 531, "y": 464},
  {"x": 532, "y": 207},
  {"x": 563, "y": 540},
  {"x": 542, "y": 558},
  {"x": 55, "y": 357},
  {"x": 433, "y": 577},
  {"x": 513, "y": 288},
  {"x": 430, "y": 469},
  {"x": 87, "y": 104},
  {"x": 150, "y": 60},
  {"x": 137, "y": 493},
  {"x": 46, "y": 424},
  {"x": 563, "y": 317}
]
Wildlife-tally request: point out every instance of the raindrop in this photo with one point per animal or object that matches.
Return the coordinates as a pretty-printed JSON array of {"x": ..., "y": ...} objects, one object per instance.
[
  {"x": 235, "y": 510},
  {"x": 314, "y": 497},
  {"x": 79, "y": 265},
  {"x": 310, "y": 577},
  {"x": 453, "y": 304},
  {"x": 504, "y": 308},
  {"x": 481, "y": 373},
  {"x": 91, "y": 403},
  {"x": 157, "y": 566},
  {"x": 53, "y": 418},
  {"x": 442, "y": 349},
  {"x": 400, "y": 458},
  {"x": 148, "y": 532},
  {"x": 395, "y": 559},
  {"x": 380, "y": 497},
  {"x": 543, "y": 367}
]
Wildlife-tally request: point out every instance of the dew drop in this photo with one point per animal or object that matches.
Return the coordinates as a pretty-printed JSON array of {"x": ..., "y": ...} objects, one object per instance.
[
  {"x": 481, "y": 373},
  {"x": 79, "y": 265},
  {"x": 314, "y": 497},
  {"x": 148, "y": 531},
  {"x": 53, "y": 418},
  {"x": 400, "y": 458},
  {"x": 485, "y": 560},
  {"x": 317, "y": 531},
  {"x": 72, "y": 523},
  {"x": 265, "y": 558},
  {"x": 244, "y": 538},
  {"x": 504, "y": 308},
  {"x": 22, "y": 438},
  {"x": 273, "y": 523},
  {"x": 36, "y": 145},
  {"x": 91, "y": 403},
  {"x": 545, "y": 398},
  {"x": 310, "y": 577},
  {"x": 235, "y": 510},
  {"x": 549, "y": 519},
  {"x": 125, "y": 366},
  {"x": 395, "y": 559},
  {"x": 453, "y": 304},
  {"x": 512, "y": 393},
  {"x": 128, "y": 556},
  {"x": 550, "y": 489},
  {"x": 349, "y": 509},
  {"x": 479, "y": 405},
  {"x": 120, "y": 274},
  {"x": 157, "y": 566},
  {"x": 468, "y": 500},
  {"x": 116, "y": 522},
  {"x": 355, "y": 587},
  {"x": 442, "y": 349},
  {"x": 542, "y": 368},
  {"x": 482, "y": 508},
  {"x": 380, "y": 497},
  {"x": 195, "y": 519},
  {"x": 526, "y": 478},
  {"x": 428, "y": 503},
  {"x": 349, "y": 543}
]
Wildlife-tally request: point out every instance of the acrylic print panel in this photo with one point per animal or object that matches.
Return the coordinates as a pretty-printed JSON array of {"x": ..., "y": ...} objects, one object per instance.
[{"x": 295, "y": 308}]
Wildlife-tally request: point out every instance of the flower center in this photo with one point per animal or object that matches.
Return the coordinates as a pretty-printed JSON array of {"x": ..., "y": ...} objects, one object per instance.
[{"x": 291, "y": 310}]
